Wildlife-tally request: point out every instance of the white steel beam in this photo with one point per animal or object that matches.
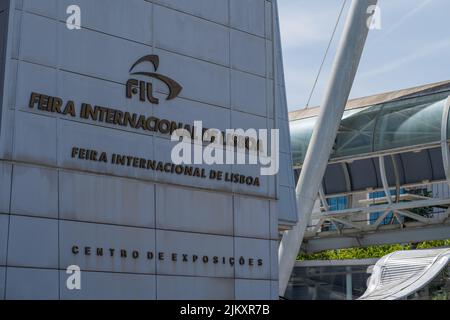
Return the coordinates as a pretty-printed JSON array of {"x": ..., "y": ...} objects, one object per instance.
[
  {"x": 385, "y": 235},
  {"x": 380, "y": 219},
  {"x": 369, "y": 155},
  {"x": 414, "y": 216},
  {"x": 384, "y": 180},
  {"x": 342, "y": 76},
  {"x": 323, "y": 200},
  {"x": 388, "y": 207},
  {"x": 318, "y": 225},
  {"x": 348, "y": 183},
  {"x": 444, "y": 143},
  {"x": 346, "y": 223}
]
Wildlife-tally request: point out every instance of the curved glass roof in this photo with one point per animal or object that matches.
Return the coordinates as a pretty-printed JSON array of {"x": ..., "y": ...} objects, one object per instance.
[{"x": 401, "y": 123}]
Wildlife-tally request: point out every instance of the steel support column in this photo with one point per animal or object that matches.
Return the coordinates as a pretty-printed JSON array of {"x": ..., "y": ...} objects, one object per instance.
[
  {"x": 348, "y": 184},
  {"x": 384, "y": 180},
  {"x": 323, "y": 199},
  {"x": 348, "y": 283},
  {"x": 342, "y": 76}
]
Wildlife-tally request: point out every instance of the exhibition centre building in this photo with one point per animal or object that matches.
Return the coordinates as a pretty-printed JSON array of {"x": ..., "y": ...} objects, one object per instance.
[{"x": 88, "y": 184}]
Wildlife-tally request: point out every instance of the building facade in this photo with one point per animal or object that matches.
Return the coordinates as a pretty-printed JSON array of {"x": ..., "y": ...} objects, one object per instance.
[{"x": 90, "y": 92}]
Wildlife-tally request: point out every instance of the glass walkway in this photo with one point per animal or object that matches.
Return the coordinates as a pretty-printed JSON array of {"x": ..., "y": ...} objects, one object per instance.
[{"x": 386, "y": 143}]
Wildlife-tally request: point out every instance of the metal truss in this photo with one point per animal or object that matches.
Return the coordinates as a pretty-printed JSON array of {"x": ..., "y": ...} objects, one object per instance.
[
  {"x": 347, "y": 226},
  {"x": 344, "y": 224}
]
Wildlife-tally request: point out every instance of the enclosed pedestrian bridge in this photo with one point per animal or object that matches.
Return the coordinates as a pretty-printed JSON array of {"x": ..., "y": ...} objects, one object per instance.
[{"x": 387, "y": 144}]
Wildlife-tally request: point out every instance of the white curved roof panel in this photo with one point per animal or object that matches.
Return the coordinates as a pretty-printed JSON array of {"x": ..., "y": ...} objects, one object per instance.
[{"x": 403, "y": 273}]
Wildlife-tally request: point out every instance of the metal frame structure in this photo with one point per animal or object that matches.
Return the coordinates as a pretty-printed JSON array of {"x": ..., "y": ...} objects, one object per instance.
[
  {"x": 343, "y": 74},
  {"x": 386, "y": 234},
  {"x": 315, "y": 237},
  {"x": 347, "y": 228}
]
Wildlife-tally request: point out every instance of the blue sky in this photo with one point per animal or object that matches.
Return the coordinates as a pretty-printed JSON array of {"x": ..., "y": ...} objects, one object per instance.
[{"x": 411, "y": 48}]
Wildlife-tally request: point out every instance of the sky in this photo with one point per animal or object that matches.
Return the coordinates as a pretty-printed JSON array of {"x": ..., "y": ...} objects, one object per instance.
[{"x": 411, "y": 48}]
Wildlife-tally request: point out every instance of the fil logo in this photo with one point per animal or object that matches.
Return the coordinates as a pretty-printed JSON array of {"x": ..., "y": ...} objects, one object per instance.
[{"x": 144, "y": 88}]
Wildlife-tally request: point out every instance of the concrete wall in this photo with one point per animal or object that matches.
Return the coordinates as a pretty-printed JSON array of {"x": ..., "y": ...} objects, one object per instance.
[{"x": 222, "y": 52}]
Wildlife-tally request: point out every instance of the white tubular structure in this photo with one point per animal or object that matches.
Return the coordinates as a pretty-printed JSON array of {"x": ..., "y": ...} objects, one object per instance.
[
  {"x": 444, "y": 140},
  {"x": 344, "y": 70},
  {"x": 384, "y": 180},
  {"x": 402, "y": 273}
]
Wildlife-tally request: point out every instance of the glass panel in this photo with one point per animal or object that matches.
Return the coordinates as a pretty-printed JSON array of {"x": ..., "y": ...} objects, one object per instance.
[
  {"x": 326, "y": 283},
  {"x": 409, "y": 123},
  {"x": 356, "y": 132},
  {"x": 403, "y": 123},
  {"x": 301, "y": 132}
]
